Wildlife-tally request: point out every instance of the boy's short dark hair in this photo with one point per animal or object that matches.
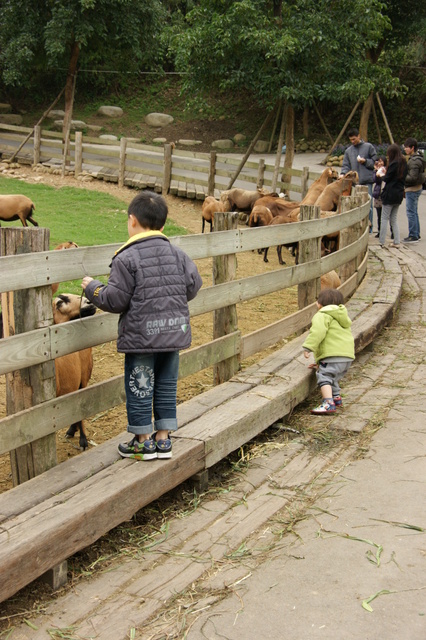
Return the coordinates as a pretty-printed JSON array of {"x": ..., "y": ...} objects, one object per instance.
[
  {"x": 149, "y": 209},
  {"x": 330, "y": 296},
  {"x": 411, "y": 142},
  {"x": 353, "y": 132}
]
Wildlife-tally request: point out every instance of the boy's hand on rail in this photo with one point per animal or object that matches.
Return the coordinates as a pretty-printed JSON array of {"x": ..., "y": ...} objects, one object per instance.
[
  {"x": 85, "y": 282},
  {"x": 313, "y": 365}
]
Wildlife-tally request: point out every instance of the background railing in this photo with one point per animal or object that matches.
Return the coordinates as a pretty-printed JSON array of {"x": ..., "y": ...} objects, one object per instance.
[{"x": 165, "y": 170}]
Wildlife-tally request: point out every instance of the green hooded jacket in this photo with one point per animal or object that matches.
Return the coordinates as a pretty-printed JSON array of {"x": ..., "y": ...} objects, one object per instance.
[{"x": 330, "y": 333}]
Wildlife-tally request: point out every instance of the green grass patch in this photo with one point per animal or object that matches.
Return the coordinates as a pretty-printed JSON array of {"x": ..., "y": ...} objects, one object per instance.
[{"x": 79, "y": 215}]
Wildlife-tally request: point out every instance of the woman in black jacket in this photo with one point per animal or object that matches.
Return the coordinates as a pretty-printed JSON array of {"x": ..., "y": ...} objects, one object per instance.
[{"x": 393, "y": 193}]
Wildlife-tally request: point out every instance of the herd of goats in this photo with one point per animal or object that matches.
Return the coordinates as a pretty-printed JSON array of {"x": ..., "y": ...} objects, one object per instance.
[{"x": 270, "y": 209}]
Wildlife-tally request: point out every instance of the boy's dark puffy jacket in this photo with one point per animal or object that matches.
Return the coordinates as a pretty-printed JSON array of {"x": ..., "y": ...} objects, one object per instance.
[
  {"x": 416, "y": 170},
  {"x": 149, "y": 285}
]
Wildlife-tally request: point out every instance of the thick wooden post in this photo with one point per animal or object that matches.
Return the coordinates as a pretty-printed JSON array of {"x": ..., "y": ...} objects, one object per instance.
[
  {"x": 347, "y": 236},
  {"x": 260, "y": 173},
  {"x": 212, "y": 173},
  {"x": 309, "y": 250},
  {"x": 78, "y": 153},
  {"x": 37, "y": 142},
  {"x": 122, "y": 162},
  {"x": 225, "y": 320},
  {"x": 304, "y": 181},
  {"x": 279, "y": 151},
  {"x": 32, "y": 309},
  {"x": 167, "y": 172}
]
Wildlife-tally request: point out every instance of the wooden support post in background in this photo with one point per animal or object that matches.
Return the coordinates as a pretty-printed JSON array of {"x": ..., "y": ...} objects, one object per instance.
[
  {"x": 260, "y": 173},
  {"x": 385, "y": 120},
  {"x": 37, "y": 143},
  {"x": 167, "y": 171},
  {"x": 337, "y": 140},
  {"x": 309, "y": 250},
  {"x": 279, "y": 152},
  {"x": 212, "y": 173},
  {"x": 225, "y": 320},
  {"x": 122, "y": 161},
  {"x": 78, "y": 153}
]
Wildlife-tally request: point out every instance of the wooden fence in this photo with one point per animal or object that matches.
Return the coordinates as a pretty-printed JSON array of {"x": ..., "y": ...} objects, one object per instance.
[
  {"x": 165, "y": 170},
  {"x": 34, "y": 272}
]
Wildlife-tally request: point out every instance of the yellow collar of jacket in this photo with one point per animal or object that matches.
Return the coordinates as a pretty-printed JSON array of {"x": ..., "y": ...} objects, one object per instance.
[{"x": 141, "y": 236}]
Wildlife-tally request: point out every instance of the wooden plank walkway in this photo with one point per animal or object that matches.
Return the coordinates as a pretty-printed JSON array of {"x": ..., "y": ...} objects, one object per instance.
[{"x": 67, "y": 508}]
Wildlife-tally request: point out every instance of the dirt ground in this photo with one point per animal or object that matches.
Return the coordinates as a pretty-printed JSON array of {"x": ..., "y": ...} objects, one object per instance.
[{"x": 252, "y": 315}]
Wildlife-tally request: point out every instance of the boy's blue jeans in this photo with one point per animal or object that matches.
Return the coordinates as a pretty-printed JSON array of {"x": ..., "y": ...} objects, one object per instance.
[
  {"x": 151, "y": 383},
  {"x": 411, "y": 204}
]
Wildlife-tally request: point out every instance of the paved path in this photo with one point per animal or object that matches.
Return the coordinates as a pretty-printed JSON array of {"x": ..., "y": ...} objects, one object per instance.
[{"x": 303, "y": 536}]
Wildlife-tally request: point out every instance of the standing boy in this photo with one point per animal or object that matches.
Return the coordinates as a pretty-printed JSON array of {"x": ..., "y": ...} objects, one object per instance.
[
  {"x": 413, "y": 188},
  {"x": 149, "y": 285},
  {"x": 331, "y": 342}
]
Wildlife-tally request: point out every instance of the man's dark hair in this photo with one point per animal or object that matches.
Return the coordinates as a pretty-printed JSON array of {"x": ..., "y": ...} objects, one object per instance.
[
  {"x": 411, "y": 142},
  {"x": 149, "y": 209},
  {"x": 353, "y": 132},
  {"x": 330, "y": 296}
]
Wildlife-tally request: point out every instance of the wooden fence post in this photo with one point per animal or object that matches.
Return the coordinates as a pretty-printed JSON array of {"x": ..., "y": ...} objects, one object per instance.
[
  {"x": 167, "y": 170},
  {"x": 35, "y": 384},
  {"x": 309, "y": 250},
  {"x": 225, "y": 320},
  {"x": 122, "y": 162},
  {"x": 78, "y": 153},
  {"x": 347, "y": 236},
  {"x": 260, "y": 173},
  {"x": 37, "y": 143},
  {"x": 304, "y": 181},
  {"x": 212, "y": 173}
]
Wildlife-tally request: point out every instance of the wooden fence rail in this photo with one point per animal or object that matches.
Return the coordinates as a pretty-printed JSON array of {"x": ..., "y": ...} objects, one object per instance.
[
  {"x": 167, "y": 170},
  {"x": 31, "y": 271}
]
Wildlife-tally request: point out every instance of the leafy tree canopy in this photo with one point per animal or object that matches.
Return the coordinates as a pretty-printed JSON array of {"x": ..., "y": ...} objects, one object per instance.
[
  {"x": 301, "y": 50},
  {"x": 40, "y": 35}
]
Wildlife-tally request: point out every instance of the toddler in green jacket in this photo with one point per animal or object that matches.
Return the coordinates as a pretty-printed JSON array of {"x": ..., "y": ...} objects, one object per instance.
[{"x": 331, "y": 342}]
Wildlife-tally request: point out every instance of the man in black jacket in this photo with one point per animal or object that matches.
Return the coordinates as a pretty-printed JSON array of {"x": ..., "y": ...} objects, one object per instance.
[{"x": 413, "y": 188}]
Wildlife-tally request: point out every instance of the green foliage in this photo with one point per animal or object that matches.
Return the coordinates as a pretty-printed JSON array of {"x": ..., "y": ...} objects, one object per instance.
[
  {"x": 118, "y": 34},
  {"x": 317, "y": 50}
]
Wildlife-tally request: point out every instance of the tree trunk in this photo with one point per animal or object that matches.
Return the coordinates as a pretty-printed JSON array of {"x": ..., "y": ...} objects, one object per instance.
[
  {"x": 365, "y": 116},
  {"x": 69, "y": 89},
  {"x": 289, "y": 140}
]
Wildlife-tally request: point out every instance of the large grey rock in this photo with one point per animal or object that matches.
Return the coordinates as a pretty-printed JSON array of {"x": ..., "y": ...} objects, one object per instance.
[
  {"x": 94, "y": 127},
  {"x": 5, "y": 108},
  {"x": 158, "y": 119},
  {"x": 76, "y": 125},
  {"x": 189, "y": 143},
  {"x": 56, "y": 113},
  {"x": 10, "y": 118},
  {"x": 223, "y": 144},
  {"x": 239, "y": 137},
  {"x": 112, "y": 112},
  {"x": 261, "y": 146},
  {"x": 107, "y": 136},
  {"x": 159, "y": 140}
]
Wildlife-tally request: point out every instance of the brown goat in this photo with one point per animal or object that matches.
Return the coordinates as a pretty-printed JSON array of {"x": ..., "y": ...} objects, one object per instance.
[
  {"x": 17, "y": 208},
  {"x": 209, "y": 207},
  {"x": 260, "y": 216},
  {"x": 63, "y": 245},
  {"x": 330, "y": 198},
  {"x": 330, "y": 280},
  {"x": 241, "y": 198},
  {"x": 73, "y": 371}
]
